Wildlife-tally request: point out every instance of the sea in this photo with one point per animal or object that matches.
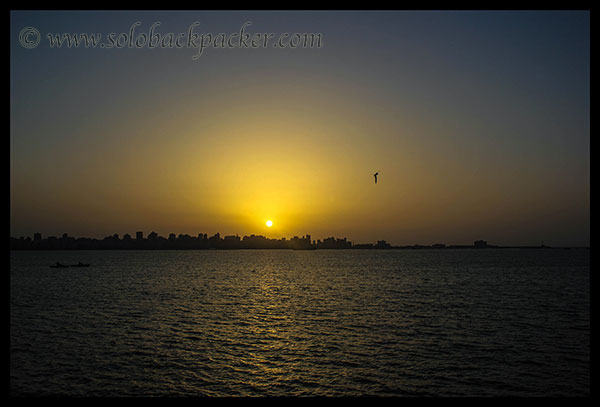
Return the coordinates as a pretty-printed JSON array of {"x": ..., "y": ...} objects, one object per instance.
[{"x": 263, "y": 323}]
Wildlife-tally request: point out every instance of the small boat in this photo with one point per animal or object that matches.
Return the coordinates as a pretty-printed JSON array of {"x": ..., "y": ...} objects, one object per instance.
[
  {"x": 58, "y": 266},
  {"x": 80, "y": 264}
]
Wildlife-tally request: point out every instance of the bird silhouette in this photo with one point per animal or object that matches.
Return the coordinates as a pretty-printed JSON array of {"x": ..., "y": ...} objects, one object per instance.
[{"x": 375, "y": 175}]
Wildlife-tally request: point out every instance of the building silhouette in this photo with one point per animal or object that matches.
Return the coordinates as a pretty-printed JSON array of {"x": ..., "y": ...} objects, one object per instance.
[{"x": 203, "y": 242}]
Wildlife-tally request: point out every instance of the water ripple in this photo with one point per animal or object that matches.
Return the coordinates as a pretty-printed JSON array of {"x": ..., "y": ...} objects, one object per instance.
[{"x": 325, "y": 323}]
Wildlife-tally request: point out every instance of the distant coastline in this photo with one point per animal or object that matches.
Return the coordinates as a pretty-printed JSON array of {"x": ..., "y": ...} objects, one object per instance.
[{"x": 231, "y": 242}]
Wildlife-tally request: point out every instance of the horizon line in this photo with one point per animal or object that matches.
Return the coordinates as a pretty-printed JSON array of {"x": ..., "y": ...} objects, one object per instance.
[{"x": 174, "y": 238}]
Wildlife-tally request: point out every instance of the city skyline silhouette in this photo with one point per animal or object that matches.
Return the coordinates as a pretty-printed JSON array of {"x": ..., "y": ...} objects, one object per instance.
[{"x": 202, "y": 241}]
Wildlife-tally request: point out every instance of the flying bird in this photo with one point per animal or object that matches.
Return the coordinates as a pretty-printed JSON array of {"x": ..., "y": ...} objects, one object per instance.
[{"x": 375, "y": 175}]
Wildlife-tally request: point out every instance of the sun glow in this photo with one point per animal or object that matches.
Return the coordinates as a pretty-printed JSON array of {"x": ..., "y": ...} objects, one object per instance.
[{"x": 269, "y": 223}]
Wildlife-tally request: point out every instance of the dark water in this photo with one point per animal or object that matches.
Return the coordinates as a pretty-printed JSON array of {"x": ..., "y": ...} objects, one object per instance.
[{"x": 329, "y": 323}]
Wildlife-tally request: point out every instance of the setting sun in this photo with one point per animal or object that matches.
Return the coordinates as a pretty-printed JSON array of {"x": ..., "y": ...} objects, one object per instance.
[{"x": 269, "y": 223}]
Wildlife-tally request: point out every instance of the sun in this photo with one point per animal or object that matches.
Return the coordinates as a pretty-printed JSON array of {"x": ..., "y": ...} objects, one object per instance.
[{"x": 269, "y": 223}]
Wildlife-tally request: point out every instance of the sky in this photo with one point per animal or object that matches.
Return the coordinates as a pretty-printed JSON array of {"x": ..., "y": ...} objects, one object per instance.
[{"x": 477, "y": 122}]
